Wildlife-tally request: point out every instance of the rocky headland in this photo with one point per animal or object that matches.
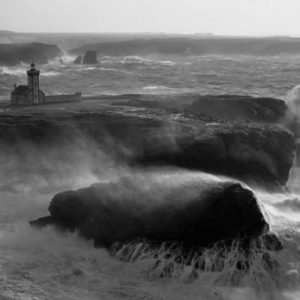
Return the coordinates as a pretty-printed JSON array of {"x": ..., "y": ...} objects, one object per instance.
[
  {"x": 14, "y": 54},
  {"x": 257, "y": 153},
  {"x": 145, "y": 133},
  {"x": 195, "y": 46}
]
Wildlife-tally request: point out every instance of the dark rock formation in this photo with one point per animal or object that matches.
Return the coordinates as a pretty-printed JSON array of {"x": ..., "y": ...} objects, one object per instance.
[
  {"x": 240, "y": 108},
  {"x": 14, "y": 54},
  {"x": 298, "y": 154},
  {"x": 196, "y": 211},
  {"x": 78, "y": 60},
  {"x": 294, "y": 125},
  {"x": 232, "y": 108},
  {"x": 42, "y": 222},
  {"x": 239, "y": 256},
  {"x": 196, "y": 46},
  {"x": 90, "y": 57},
  {"x": 256, "y": 153}
]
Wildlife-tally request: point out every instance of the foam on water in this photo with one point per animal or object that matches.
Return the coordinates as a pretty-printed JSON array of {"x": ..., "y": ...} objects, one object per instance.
[
  {"x": 50, "y": 74},
  {"x": 154, "y": 87},
  {"x": 48, "y": 264},
  {"x": 202, "y": 74},
  {"x": 42, "y": 264}
]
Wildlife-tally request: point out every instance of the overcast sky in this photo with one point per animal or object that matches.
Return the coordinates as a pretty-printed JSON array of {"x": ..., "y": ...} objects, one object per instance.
[{"x": 225, "y": 17}]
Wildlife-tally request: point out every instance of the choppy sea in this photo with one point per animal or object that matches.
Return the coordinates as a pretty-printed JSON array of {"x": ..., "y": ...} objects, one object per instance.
[
  {"x": 45, "y": 264},
  {"x": 260, "y": 76}
]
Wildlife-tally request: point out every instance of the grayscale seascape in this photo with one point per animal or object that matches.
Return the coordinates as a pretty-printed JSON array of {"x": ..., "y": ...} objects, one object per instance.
[{"x": 173, "y": 173}]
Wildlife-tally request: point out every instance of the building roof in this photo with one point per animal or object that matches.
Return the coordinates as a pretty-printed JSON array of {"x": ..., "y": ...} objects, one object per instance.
[{"x": 21, "y": 90}]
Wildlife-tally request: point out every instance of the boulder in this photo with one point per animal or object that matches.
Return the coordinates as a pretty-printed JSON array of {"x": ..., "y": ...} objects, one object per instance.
[
  {"x": 193, "y": 209},
  {"x": 90, "y": 57}
]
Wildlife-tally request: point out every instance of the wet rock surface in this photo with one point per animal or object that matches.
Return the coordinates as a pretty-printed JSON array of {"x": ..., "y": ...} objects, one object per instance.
[
  {"x": 197, "y": 213},
  {"x": 78, "y": 60},
  {"x": 259, "y": 154},
  {"x": 90, "y": 58}
]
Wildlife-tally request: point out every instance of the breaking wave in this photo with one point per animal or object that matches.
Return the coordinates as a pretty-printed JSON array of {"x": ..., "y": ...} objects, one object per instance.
[
  {"x": 47, "y": 264},
  {"x": 154, "y": 87},
  {"x": 50, "y": 74},
  {"x": 293, "y": 100}
]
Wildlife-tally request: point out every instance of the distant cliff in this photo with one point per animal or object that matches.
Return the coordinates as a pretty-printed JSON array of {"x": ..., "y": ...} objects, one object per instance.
[
  {"x": 89, "y": 58},
  {"x": 13, "y": 54},
  {"x": 196, "y": 46}
]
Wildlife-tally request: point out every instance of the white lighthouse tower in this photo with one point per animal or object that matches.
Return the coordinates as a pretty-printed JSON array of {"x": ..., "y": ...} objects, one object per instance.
[{"x": 34, "y": 83}]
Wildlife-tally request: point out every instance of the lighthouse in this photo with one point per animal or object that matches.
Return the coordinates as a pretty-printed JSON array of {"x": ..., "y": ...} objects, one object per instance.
[
  {"x": 34, "y": 83},
  {"x": 29, "y": 94}
]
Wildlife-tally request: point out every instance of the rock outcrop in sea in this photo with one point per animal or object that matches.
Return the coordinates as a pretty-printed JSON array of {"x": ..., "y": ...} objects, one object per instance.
[
  {"x": 90, "y": 58},
  {"x": 186, "y": 208},
  {"x": 78, "y": 60}
]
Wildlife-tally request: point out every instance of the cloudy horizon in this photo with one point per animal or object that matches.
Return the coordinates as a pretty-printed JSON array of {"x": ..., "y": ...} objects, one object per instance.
[{"x": 219, "y": 17}]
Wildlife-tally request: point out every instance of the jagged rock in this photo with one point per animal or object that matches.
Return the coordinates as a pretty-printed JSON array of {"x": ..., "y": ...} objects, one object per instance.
[
  {"x": 194, "y": 210},
  {"x": 78, "y": 60},
  {"x": 270, "y": 241},
  {"x": 298, "y": 154},
  {"x": 90, "y": 57}
]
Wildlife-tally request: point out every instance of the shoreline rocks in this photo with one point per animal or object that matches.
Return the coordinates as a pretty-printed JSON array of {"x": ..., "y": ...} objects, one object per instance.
[
  {"x": 258, "y": 154},
  {"x": 198, "y": 212}
]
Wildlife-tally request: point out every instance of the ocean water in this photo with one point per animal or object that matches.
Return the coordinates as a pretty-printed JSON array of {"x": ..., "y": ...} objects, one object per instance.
[
  {"x": 45, "y": 264},
  {"x": 259, "y": 76}
]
